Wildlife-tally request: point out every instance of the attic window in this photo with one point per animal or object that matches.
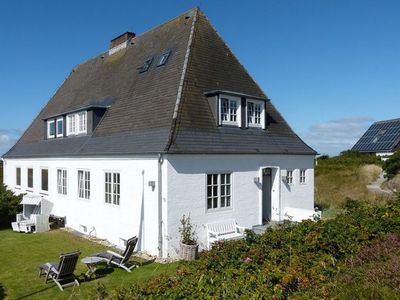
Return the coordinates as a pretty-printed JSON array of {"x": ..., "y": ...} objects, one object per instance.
[
  {"x": 146, "y": 65},
  {"x": 163, "y": 59},
  {"x": 51, "y": 129},
  {"x": 230, "y": 110}
]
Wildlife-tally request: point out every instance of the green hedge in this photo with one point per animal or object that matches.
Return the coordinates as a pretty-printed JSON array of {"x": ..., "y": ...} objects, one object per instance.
[
  {"x": 9, "y": 206},
  {"x": 392, "y": 165},
  {"x": 302, "y": 260}
]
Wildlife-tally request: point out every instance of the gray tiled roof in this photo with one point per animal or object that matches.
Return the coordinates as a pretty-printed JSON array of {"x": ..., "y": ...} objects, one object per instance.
[{"x": 141, "y": 118}]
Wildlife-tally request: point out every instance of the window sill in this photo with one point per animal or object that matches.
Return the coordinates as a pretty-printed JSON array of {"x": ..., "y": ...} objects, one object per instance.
[
  {"x": 112, "y": 205},
  {"x": 218, "y": 210},
  {"x": 44, "y": 193},
  {"x": 17, "y": 187}
]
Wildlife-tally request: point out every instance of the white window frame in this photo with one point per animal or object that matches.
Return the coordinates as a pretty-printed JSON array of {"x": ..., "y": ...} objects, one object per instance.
[
  {"x": 84, "y": 184},
  {"x": 58, "y": 134},
  {"x": 231, "y": 99},
  {"x": 81, "y": 126},
  {"x": 112, "y": 188},
  {"x": 62, "y": 177},
  {"x": 219, "y": 196},
  {"x": 41, "y": 180},
  {"x": 303, "y": 176},
  {"x": 71, "y": 124},
  {"x": 51, "y": 136},
  {"x": 30, "y": 188},
  {"x": 289, "y": 177},
  {"x": 16, "y": 176},
  {"x": 253, "y": 117}
]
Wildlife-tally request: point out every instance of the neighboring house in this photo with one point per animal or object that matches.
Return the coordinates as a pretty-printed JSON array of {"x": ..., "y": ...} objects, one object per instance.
[
  {"x": 382, "y": 138},
  {"x": 163, "y": 124}
]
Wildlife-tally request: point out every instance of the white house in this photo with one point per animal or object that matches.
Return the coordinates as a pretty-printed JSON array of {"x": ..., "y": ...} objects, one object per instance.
[{"x": 163, "y": 124}]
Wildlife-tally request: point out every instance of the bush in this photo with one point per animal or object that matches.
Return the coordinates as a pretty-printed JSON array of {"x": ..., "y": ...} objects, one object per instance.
[
  {"x": 9, "y": 206},
  {"x": 296, "y": 260},
  {"x": 392, "y": 165}
]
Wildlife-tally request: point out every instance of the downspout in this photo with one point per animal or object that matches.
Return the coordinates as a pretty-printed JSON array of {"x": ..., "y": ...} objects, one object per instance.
[{"x": 160, "y": 218}]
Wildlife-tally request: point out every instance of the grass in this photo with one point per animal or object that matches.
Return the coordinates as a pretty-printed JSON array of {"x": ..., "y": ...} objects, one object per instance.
[
  {"x": 20, "y": 255},
  {"x": 345, "y": 176}
]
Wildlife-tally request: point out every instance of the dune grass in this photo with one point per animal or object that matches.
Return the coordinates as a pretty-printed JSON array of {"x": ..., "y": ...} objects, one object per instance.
[{"x": 20, "y": 255}]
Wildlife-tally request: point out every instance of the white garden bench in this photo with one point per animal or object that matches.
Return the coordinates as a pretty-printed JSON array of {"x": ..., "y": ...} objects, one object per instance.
[{"x": 224, "y": 230}]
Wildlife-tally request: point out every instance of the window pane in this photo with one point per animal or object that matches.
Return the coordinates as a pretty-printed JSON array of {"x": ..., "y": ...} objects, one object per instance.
[
  {"x": 215, "y": 202},
  {"x": 60, "y": 127},
  {"x": 209, "y": 203},
  {"x": 45, "y": 178},
  {"x": 18, "y": 175},
  {"x": 52, "y": 128},
  {"x": 30, "y": 178},
  {"x": 228, "y": 201}
]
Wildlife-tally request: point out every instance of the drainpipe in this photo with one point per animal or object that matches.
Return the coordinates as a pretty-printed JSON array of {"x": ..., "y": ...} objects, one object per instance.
[{"x": 160, "y": 218}]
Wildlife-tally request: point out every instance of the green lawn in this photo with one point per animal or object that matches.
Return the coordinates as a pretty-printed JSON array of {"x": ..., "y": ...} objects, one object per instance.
[{"x": 20, "y": 255}]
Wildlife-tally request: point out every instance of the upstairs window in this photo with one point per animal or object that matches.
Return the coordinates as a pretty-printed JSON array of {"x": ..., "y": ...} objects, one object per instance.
[
  {"x": 255, "y": 113},
  {"x": 163, "y": 59},
  {"x": 77, "y": 123},
  {"x": 45, "y": 180},
  {"x": 230, "y": 111},
  {"x": 146, "y": 66},
  {"x": 60, "y": 127},
  {"x": 51, "y": 129}
]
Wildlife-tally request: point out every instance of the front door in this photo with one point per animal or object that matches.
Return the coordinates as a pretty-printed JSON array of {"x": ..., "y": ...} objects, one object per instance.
[{"x": 266, "y": 195}]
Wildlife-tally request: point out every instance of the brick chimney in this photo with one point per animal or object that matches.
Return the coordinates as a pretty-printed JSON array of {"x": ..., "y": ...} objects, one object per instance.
[{"x": 120, "y": 42}]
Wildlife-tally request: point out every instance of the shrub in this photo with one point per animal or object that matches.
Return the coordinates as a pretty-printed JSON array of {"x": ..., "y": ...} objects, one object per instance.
[
  {"x": 188, "y": 234},
  {"x": 9, "y": 206},
  {"x": 392, "y": 165},
  {"x": 294, "y": 260}
]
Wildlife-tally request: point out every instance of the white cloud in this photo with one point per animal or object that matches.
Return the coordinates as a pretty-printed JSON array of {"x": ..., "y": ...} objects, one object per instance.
[
  {"x": 8, "y": 137},
  {"x": 334, "y": 136}
]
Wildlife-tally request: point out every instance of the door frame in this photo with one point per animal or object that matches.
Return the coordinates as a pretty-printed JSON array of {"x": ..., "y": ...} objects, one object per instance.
[{"x": 276, "y": 212}]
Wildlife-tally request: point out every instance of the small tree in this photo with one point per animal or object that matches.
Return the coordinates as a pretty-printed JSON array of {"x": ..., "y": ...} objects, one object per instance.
[
  {"x": 188, "y": 234},
  {"x": 9, "y": 206}
]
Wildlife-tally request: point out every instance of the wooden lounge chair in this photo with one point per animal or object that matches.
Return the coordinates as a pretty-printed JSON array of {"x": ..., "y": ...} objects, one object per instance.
[
  {"x": 63, "y": 272},
  {"x": 120, "y": 260}
]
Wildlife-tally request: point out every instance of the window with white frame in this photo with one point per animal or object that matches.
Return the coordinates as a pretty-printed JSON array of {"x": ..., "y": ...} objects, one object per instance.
[
  {"x": 289, "y": 176},
  {"x": 71, "y": 124},
  {"x": 255, "y": 113},
  {"x": 51, "y": 129},
  {"x": 219, "y": 191},
  {"x": 77, "y": 123},
  {"x": 82, "y": 122},
  {"x": 30, "y": 178},
  {"x": 84, "y": 184},
  {"x": 61, "y": 181},
  {"x": 303, "y": 176},
  {"x": 112, "y": 188},
  {"x": 230, "y": 110},
  {"x": 60, "y": 127},
  {"x": 18, "y": 176}
]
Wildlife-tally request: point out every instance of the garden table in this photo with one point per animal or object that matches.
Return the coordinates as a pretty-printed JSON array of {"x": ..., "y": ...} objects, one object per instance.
[{"x": 91, "y": 263}]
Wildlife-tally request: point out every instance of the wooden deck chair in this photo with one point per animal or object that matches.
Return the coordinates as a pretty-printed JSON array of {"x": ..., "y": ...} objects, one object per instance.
[
  {"x": 63, "y": 272},
  {"x": 120, "y": 260}
]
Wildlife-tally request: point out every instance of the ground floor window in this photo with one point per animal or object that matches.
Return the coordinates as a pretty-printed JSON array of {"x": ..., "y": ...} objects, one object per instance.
[
  {"x": 219, "y": 191},
  {"x": 18, "y": 177},
  {"x": 302, "y": 176},
  {"x": 289, "y": 176},
  {"x": 84, "y": 184},
  {"x": 62, "y": 181},
  {"x": 45, "y": 180},
  {"x": 112, "y": 187}
]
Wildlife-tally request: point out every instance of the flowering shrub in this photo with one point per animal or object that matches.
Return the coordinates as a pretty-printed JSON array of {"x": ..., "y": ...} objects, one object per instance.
[{"x": 296, "y": 260}]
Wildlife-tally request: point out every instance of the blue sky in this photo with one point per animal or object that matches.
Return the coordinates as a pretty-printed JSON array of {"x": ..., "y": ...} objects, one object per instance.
[{"x": 330, "y": 67}]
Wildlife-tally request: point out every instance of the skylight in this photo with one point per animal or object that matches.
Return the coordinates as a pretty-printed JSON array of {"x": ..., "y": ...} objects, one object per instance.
[
  {"x": 163, "y": 58},
  {"x": 146, "y": 65}
]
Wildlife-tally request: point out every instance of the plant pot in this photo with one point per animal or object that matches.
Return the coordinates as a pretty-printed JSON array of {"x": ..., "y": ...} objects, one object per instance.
[{"x": 188, "y": 252}]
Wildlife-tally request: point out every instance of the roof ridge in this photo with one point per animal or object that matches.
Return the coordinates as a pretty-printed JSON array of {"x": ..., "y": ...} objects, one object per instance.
[
  {"x": 182, "y": 81},
  {"x": 384, "y": 121}
]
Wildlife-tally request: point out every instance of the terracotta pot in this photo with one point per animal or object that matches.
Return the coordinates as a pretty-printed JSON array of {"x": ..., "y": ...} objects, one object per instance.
[{"x": 188, "y": 252}]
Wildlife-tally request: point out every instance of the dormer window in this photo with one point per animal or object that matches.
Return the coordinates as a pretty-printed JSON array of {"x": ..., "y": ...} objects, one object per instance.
[
  {"x": 230, "y": 110},
  {"x": 255, "y": 113},
  {"x": 77, "y": 123},
  {"x": 51, "y": 129}
]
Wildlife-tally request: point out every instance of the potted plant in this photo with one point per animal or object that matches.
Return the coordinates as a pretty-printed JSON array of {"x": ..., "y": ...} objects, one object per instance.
[{"x": 188, "y": 246}]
